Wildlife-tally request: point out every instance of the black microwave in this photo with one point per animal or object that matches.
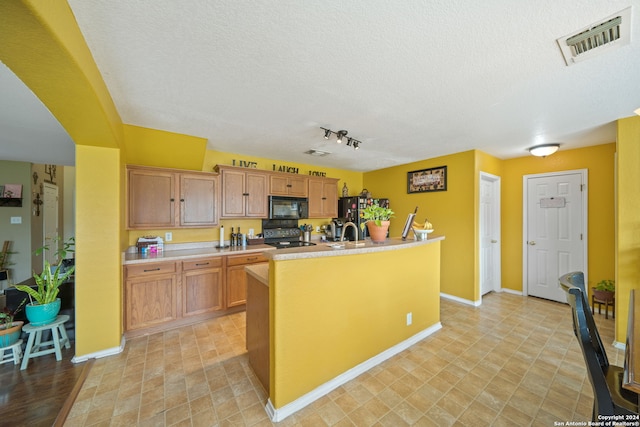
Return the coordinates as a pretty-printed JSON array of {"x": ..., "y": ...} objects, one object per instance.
[{"x": 288, "y": 207}]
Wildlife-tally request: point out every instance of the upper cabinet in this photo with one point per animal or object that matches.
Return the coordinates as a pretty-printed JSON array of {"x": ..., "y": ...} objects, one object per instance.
[
  {"x": 323, "y": 197},
  {"x": 284, "y": 185},
  {"x": 168, "y": 198},
  {"x": 244, "y": 192}
]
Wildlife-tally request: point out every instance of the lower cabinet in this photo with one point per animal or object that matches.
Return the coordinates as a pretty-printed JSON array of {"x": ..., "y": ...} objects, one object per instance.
[
  {"x": 237, "y": 277},
  {"x": 162, "y": 294},
  {"x": 151, "y": 295},
  {"x": 202, "y": 286}
]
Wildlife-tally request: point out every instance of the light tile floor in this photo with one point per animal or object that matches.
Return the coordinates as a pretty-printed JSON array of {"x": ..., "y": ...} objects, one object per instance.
[{"x": 512, "y": 361}]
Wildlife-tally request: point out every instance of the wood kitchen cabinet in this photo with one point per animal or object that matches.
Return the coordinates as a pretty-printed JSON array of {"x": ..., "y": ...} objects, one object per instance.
[
  {"x": 282, "y": 185},
  {"x": 202, "y": 286},
  {"x": 237, "y": 277},
  {"x": 323, "y": 197},
  {"x": 168, "y": 198},
  {"x": 151, "y": 296},
  {"x": 244, "y": 193}
]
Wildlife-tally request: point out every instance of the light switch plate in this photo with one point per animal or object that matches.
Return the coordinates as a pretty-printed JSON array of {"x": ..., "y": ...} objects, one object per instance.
[{"x": 16, "y": 220}]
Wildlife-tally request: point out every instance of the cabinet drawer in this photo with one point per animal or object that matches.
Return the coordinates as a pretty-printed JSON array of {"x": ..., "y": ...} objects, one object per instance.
[
  {"x": 245, "y": 259},
  {"x": 150, "y": 269},
  {"x": 202, "y": 263}
]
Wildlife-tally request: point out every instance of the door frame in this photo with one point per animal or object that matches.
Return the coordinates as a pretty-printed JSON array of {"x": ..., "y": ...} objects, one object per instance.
[
  {"x": 497, "y": 205},
  {"x": 585, "y": 224}
]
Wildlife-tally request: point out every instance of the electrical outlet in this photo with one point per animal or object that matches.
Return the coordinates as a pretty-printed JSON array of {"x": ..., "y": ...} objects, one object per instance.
[
  {"x": 168, "y": 236},
  {"x": 317, "y": 228},
  {"x": 409, "y": 318}
]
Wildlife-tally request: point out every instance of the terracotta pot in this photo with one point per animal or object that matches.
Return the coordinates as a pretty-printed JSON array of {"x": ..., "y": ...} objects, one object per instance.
[
  {"x": 603, "y": 295},
  {"x": 10, "y": 335},
  {"x": 378, "y": 233}
]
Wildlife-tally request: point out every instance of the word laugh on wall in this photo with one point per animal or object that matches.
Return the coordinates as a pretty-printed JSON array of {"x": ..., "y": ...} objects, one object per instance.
[{"x": 276, "y": 168}]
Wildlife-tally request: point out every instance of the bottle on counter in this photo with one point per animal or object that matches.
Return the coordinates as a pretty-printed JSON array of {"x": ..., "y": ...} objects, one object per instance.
[{"x": 232, "y": 241}]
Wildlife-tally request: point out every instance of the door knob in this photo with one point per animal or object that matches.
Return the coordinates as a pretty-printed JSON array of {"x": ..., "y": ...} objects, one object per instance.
[
  {"x": 532, "y": 243},
  {"x": 494, "y": 241}
]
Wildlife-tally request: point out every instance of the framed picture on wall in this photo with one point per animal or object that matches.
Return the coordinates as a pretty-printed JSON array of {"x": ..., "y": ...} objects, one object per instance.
[{"x": 426, "y": 180}]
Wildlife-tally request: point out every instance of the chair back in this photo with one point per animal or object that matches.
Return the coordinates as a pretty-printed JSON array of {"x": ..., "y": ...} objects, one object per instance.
[
  {"x": 603, "y": 402},
  {"x": 576, "y": 280}
]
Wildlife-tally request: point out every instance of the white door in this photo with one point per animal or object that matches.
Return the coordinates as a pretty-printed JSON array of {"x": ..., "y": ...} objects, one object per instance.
[
  {"x": 489, "y": 233},
  {"x": 555, "y": 230},
  {"x": 50, "y": 221}
]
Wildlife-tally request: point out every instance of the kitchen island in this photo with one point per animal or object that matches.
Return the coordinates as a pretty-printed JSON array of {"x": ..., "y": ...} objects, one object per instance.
[{"x": 333, "y": 313}]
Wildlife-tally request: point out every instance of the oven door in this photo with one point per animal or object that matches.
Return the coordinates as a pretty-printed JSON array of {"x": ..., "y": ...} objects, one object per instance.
[{"x": 287, "y": 207}]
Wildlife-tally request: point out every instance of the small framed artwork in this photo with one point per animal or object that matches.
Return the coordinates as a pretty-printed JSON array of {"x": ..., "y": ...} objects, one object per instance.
[{"x": 426, "y": 180}]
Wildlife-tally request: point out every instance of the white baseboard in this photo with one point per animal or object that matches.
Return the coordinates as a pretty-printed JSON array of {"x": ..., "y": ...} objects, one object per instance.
[
  {"x": 101, "y": 353},
  {"x": 462, "y": 300},
  {"x": 620, "y": 345},
  {"x": 511, "y": 291},
  {"x": 280, "y": 414}
]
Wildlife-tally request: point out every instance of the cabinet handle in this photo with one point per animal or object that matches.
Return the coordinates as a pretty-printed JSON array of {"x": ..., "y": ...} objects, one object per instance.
[
  {"x": 204, "y": 263},
  {"x": 245, "y": 194},
  {"x": 182, "y": 200},
  {"x": 252, "y": 258},
  {"x": 172, "y": 199},
  {"x": 289, "y": 185},
  {"x": 153, "y": 269}
]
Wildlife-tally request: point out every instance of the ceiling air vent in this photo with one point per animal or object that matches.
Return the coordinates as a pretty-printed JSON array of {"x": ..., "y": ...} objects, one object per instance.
[
  {"x": 610, "y": 33},
  {"x": 318, "y": 153}
]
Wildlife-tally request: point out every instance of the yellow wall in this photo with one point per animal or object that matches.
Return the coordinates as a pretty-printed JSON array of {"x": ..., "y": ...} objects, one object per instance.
[
  {"x": 628, "y": 220},
  {"x": 338, "y": 324},
  {"x": 451, "y": 212},
  {"x": 599, "y": 161},
  {"x": 151, "y": 147}
]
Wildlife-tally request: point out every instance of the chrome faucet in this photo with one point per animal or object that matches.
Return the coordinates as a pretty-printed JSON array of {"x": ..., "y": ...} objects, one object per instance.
[{"x": 344, "y": 229}]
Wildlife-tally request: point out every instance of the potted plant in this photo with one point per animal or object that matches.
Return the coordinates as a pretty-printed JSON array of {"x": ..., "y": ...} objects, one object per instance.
[
  {"x": 604, "y": 290},
  {"x": 377, "y": 217},
  {"x": 46, "y": 306},
  {"x": 9, "y": 329}
]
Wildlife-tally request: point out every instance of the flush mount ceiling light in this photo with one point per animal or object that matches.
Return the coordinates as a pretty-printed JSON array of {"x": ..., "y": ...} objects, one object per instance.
[
  {"x": 341, "y": 135},
  {"x": 544, "y": 150}
]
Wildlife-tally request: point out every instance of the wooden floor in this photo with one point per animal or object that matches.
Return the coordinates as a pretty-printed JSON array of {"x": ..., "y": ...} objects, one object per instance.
[{"x": 35, "y": 396}]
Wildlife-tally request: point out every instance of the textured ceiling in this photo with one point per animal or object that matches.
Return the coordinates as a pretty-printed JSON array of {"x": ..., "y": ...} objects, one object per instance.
[{"x": 411, "y": 80}]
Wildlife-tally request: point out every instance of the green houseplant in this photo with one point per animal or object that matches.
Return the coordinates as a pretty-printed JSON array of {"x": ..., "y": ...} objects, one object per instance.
[
  {"x": 45, "y": 304},
  {"x": 605, "y": 290},
  {"x": 377, "y": 219},
  {"x": 9, "y": 329}
]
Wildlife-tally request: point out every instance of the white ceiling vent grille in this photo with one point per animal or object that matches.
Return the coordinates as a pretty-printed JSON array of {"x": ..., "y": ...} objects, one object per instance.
[{"x": 610, "y": 33}]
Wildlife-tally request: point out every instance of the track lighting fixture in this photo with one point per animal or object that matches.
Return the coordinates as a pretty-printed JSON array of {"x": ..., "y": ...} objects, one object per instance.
[
  {"x": 544, "y": 150},
  {"x": 341, "y": 135}
]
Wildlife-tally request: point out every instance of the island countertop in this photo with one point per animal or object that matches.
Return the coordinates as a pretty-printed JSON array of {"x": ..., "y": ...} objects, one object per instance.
[{"x": 329, "y": 249}]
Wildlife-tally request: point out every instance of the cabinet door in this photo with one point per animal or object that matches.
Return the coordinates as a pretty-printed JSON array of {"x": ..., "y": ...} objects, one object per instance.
[
  {"x": 233, "y": 194},
  {"x": 316, "y": 194},
  {"x": 151, "y": 199},
  {"x": 330, "y": 201},
  {"x": 150, "y": 301},
  {"x": 202, "y": 286},
  {"x": 198, "y": 199},
  {"x": 257, "y": 205},
  {"x": 278, "y": 185},
  {"x": 237, "y": 277},
  {"x": 298, "y": 186}
]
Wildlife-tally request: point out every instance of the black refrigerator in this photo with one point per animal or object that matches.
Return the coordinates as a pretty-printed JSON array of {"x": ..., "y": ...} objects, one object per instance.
[{"x": 350, "y": 207}]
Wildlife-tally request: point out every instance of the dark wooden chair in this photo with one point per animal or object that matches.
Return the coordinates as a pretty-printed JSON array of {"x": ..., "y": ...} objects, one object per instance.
[{"x": 606, "y": 380}]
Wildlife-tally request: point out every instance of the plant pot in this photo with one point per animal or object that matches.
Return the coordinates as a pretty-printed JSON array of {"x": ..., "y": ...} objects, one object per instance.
[
  {"x": 10, "y": 335},
  {"x": 603, "y": 295},
  {"x": 378, "y": 233},
  {"x": 42, "y": 314}
]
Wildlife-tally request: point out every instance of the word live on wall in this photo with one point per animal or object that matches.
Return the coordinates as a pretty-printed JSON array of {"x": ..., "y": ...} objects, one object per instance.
[{"x": 276, "y": 168}]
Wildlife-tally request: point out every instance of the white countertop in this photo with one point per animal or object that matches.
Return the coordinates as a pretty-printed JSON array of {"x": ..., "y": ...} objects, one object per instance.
[
  {"x": 347, "y": 248},
  {"x": 177, "y": 252}
]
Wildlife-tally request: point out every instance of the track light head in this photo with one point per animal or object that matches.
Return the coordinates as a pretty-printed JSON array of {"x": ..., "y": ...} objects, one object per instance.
[
  {"x": 349, "y": 141},
  {"x": 356, "y": 145},
  {"x": 327, "y": 133},
  {"x": 341, "y": 134}
]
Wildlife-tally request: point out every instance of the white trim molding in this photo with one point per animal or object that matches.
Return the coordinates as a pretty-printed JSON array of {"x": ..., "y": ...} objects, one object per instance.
[
  {"x": 280, "y": 414},
  {"x": 462, "y": 300},
  {"x": 102, "y": 353}
]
